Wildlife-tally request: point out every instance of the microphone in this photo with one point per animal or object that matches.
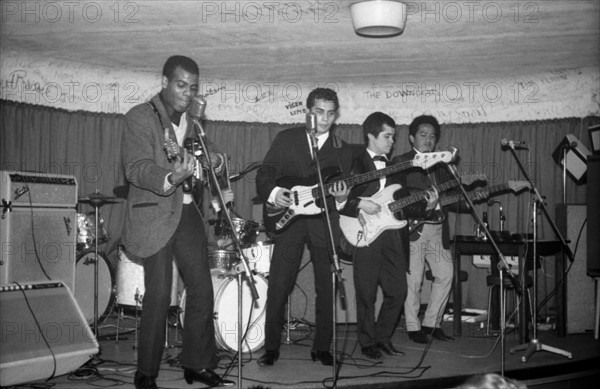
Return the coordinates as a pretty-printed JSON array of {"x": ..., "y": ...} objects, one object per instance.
[
  {"x": 311, "y": 122},
  {"x": 197, "y": 107},
  {"x": 512, "y": 144}
]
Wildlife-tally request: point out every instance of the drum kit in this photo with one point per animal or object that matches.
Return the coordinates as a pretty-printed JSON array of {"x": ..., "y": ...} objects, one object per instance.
[{"x": 125, "y": 287}]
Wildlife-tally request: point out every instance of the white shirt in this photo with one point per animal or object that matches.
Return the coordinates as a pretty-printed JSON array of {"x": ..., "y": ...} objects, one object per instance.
[{"x": 379, "y": 165}]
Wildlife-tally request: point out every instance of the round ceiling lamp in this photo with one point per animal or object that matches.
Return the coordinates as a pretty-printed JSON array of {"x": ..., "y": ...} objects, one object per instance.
[{"x": 378, "y": 18}]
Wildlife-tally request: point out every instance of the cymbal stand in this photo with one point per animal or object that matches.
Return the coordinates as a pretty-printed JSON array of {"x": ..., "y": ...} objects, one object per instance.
[
  {"x": 502, "y": 264},
  {"x": 534, "y": 344},
  {"x": 96, "y": 203}
]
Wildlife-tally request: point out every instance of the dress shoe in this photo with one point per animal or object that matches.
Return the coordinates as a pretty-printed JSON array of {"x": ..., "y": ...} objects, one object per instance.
[
  {"x": 438, "y": 333},
  {"x": 371, "y": 352},
  {"x": 389, "y": 349},
  {"x": 324, "y": 356},
  {"x": 142, "y": 382},
  {"x": 205, "y": 376},
  {"x": 269, "y": 358},
  {"x": 417, "y": 336}
]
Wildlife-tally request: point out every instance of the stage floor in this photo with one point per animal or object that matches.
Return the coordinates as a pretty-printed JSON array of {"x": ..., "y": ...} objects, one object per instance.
[{"x": 435, "y": 365}]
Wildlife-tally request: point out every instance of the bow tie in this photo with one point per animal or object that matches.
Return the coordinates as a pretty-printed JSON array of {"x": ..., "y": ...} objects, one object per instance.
[{"x": 380, "y": 158}]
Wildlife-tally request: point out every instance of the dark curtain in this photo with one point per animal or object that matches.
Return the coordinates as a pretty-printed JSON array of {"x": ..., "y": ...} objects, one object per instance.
[{"x": 87, "y": 145}]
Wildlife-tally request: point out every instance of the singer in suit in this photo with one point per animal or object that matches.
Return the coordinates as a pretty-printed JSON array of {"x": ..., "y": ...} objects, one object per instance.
[
  {"x": 163, "y": 224},
  {"x": 429, "y": 243},
  {"x": 291, "y": 156},
  {"x": 384, "y": 261}
]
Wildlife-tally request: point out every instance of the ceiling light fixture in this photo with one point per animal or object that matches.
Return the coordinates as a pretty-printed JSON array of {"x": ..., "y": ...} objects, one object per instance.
[{"x": 378, "y": 18}]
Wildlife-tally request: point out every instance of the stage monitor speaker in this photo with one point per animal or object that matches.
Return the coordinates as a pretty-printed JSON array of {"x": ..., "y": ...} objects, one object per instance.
[
  {"x": 52, "y": 230},
  {"x": 593, "y": 216},
  {"x": 570, "y": 220},
  {"x": 44, "y": 333}
]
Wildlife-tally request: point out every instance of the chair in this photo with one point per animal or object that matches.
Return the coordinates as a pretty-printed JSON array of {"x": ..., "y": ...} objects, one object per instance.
[{"x": 493, "y": 281}]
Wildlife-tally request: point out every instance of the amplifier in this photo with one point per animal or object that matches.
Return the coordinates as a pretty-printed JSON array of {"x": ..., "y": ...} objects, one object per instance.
[
  {"x": 44, "y": 333},
  {"x": 32, "y": 189}
]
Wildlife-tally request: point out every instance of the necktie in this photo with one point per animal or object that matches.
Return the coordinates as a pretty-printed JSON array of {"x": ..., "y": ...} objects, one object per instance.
[{"x": 380, "y": 158}]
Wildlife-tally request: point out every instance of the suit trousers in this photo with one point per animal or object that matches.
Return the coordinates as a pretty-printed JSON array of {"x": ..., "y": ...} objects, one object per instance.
[
  {"x": 287, "y": 256},
  {"x": 382, "y": 264},
  {"x": 428, "y": 249},
  {"x": 189, "y": 249}
]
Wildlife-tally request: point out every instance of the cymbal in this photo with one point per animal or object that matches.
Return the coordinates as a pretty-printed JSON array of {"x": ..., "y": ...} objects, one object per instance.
[{"x": 98, "y": 198}]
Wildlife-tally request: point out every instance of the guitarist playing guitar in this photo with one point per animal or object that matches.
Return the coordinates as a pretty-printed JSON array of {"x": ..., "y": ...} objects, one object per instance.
[
  {"x": 385, "y": 261},
  {"x": 430, "y": 242},
  {"x": 291, "y": 155}
]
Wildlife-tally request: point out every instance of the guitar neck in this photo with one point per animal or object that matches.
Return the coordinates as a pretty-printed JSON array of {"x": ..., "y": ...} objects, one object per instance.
[
  {"x": 416, "y": 197},
  {"x": 476, "y": 195},
  {"x": 369, "y": 176}
]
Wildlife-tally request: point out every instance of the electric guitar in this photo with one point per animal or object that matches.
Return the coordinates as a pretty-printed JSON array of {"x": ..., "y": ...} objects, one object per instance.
[
  {"x": 476, "y": 195},
  {"x": 174, "y": 152},
  {"x": 306, "y": 195},
  {"x": 363, "y": 230}
]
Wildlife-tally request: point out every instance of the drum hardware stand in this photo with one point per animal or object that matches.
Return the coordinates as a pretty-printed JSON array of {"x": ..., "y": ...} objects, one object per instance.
[
  {"x": 534, "y": 344},
  {"x": 503, "y": 265},
  {"x": 289, "y": 316},
  {"x": 336, "y": 272},
  {"x": 243, "y": 260}
]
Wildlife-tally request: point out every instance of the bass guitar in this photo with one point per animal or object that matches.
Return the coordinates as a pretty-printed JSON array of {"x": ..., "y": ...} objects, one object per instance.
[
  {"x": 362, "y": 230},
  {"x": 476, "y": 195},
  {"x": 306, "y": 195}
]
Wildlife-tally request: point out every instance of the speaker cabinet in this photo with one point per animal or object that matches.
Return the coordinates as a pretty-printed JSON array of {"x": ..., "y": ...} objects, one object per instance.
[
  {"x": 593, "y": 215},
  {"x": 38, "y": 241},
  {"x": 570, "y": 220},
  {"x": 43, "y": 333}
]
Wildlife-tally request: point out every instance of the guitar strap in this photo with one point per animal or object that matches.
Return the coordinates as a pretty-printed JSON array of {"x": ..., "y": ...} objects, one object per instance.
[{"x": 159, "y": 116}]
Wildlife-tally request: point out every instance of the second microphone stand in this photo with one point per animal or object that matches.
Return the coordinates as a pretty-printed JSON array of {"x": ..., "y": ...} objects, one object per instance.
[
  {"x": 336, "y": 275},
  {"x": 245, "y": 268},
  {"x": 534, "y": 344},
  {"x": 503, "y": 265}
]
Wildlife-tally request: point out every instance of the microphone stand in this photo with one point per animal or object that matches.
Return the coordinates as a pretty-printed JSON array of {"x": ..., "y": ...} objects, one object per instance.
[
  {"x": 534, "y": 344},
  {"x": 502, "y": 264},
  {"x": 336, "y": 275},
  {"x": 245, "y": 268}
]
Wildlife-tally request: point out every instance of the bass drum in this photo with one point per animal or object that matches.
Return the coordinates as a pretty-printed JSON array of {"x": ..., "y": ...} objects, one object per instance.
[
  {"x": 84, "y": 285},
  {"x": 226, "y": 313},
  {"x": 130, "y": 282}
]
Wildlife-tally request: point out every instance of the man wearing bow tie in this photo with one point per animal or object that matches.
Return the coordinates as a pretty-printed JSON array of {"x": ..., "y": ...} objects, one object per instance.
[{"x": 383, "y": 262}]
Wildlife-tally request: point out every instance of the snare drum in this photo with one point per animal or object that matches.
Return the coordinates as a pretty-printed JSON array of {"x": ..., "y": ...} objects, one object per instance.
[
  {"x": 223, "y": 261},
  {"x": 226, "y": 313},
  {"x": 259, "y": 257},
  {"x": 130, "y": 282},
  {"x": 245, "y": 230},
  {"x": 84, "y": 285}
]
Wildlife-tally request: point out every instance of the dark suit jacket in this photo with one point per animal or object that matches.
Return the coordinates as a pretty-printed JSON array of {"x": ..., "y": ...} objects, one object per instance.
[
  {"x": 152, "y": 213},
  {"x": 417, "y": 179},
  {"x": 289, "y": 156}
]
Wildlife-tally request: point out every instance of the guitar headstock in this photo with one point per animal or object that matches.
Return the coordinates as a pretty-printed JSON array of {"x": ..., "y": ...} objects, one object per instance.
[
  {"x": 427, "y": 160},
  {"x": 517, "y": 186},
  {"x": 171, "y": 148},
  {"x": 469, "y": 178}
]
